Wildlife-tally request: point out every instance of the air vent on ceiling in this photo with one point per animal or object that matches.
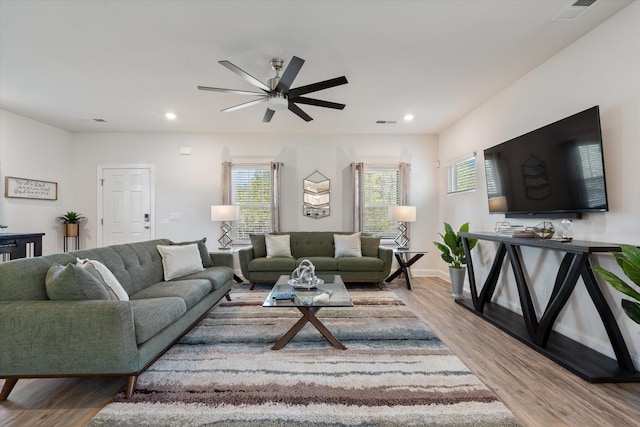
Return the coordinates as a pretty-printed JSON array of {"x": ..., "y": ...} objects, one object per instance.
[
  {"x": 386, "y": 122},
  {"x": 100, "y": 120},
  {"x": 570, "y": 13}
]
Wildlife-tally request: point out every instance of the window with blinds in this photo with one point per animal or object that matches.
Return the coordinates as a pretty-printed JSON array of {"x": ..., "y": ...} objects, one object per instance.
[
  {"x": 493, "y": 184},
  {"x": 381, "y": 190},
  {"x": 461, "y": 176},
  {"x": 251, "y": 191},
  {"x": 593, "y": 174}
]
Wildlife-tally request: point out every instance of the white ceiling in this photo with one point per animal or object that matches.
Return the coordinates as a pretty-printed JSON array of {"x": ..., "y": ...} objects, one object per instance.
[{"x": 66, "y": 63}]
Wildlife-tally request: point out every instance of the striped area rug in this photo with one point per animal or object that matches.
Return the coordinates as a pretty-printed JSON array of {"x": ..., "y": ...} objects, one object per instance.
[{"x": 395, "y": 372}]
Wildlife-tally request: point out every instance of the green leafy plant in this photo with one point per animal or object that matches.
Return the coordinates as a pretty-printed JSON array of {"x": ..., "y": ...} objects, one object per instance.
[
  {"x": 71, "y": 217},
  {"x": 629, "y": 261},
  {"x": 452, "y": 250},
  {"x": 3, "y": 226}
]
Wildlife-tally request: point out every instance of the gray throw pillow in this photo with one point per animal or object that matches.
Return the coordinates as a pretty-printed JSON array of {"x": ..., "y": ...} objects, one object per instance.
[
  {"x": 204, "y": 251},
  {"x": 259, "y": 245},
  {"x": 369, "y": 245},
  {"x": 73, "y": 283}
]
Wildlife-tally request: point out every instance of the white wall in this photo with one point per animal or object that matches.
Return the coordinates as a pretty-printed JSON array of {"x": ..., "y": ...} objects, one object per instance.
[
  {"x": 189, "y": 185},
  {"x": 30, "y": 149},
  {"x": 602, "y": 68}
]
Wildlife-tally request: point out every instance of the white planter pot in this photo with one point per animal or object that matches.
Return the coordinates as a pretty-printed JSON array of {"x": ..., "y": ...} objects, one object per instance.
[{"x": 457, "y": 281}]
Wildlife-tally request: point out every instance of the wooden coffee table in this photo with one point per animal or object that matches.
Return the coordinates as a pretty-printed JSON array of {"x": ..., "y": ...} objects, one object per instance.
[{"x": 332, "y": 293}]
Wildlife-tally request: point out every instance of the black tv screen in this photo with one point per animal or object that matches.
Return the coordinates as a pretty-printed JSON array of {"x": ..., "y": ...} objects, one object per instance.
[{"x": 554, "y": 171}]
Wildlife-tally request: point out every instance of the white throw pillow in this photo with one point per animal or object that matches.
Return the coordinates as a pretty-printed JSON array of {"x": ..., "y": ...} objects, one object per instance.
[
  {"x": 347, "y": 245},
  {"x": 180, "y": 260},
  {"x": 278, "y": 245},
  {"x": 107, "y": 276}
]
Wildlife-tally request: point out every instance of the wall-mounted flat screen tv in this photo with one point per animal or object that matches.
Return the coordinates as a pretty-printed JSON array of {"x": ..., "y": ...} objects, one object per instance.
[{"x": 553, "y": 172}]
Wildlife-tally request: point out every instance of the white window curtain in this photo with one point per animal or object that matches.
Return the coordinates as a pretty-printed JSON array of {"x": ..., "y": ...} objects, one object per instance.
[
  {"x": 357, "y": 177},
  {"x": 276, "y": 180}
]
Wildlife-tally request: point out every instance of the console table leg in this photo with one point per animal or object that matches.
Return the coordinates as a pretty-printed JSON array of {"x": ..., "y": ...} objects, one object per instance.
[{"x": 608, "y": 319}]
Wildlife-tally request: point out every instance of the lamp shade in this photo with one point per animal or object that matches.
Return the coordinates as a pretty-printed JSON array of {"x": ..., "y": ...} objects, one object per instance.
[
  {"x": 403, "y": 213},
  {"x": 498, "y": 204},
  {"x": 224, "y": 213}
]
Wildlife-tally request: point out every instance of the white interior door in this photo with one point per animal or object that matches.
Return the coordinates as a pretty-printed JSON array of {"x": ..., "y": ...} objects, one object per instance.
[{"x": 126, "y": 205}]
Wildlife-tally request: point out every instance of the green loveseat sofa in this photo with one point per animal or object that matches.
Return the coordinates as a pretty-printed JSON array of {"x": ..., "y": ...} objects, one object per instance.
[
  {"x": 41, "y": 337},
  {"x": 318, "y": 247}
]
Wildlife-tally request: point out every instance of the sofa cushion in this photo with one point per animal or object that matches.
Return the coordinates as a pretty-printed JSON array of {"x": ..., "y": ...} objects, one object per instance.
[
  {"x": 259, "y": 245},
  {"x": 278, "y": 246},
  {"x": 360, "y": 264},
  {"x": 217, "y": 276},
  {"x": 272, "y": 264},
  {"x": 370, "y": 245},
  {"x": 106, "y": 276},
  {"x": 152, "y": 315},
  {"x": 321, "y": 263},
  {"x": 180, "y": 260},
  {"x": 347, "y": 245},
  {"x": 72, "y": 282},
  {"x": 202, "y": 248},
  {"x": 191, "y": 291},
  {"x": 136, "y": 265}
]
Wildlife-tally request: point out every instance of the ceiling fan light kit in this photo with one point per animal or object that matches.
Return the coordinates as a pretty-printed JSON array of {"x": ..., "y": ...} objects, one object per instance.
[
  {"x": 277, "y": 102},
  {"x": 278, "y": 94}
]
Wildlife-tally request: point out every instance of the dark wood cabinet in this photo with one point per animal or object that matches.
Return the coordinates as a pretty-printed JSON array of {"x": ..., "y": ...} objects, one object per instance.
[{"x": 20, "y": 245}]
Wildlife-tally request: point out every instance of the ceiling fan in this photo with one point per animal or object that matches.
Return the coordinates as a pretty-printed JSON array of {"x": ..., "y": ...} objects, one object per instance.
[{"x": 278, "y": 93}]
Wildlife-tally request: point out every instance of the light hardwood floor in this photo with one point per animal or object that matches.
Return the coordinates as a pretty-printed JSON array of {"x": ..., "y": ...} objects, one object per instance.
[{"x": 538, "y": 392}]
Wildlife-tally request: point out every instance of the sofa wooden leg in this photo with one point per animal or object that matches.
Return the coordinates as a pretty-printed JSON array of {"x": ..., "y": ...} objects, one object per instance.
[
  {"x": 253, "y": 284},
  {"x": 132, "y": 383},
  {"x": 9, "y": 384},
  {"x": 227, "y": 296},
  {"x": 380, "y": 285}
]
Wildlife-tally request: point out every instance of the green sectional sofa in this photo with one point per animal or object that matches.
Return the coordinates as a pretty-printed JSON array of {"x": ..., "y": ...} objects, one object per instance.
[
  {"x": 373, "y": 265},
  {"x": 97, "y": 334}
]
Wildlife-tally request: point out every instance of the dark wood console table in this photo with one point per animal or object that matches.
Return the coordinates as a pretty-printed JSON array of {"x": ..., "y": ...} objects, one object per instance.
[
  {"x": 585, "y": 362},
  {"x": 20, "y": 245}
]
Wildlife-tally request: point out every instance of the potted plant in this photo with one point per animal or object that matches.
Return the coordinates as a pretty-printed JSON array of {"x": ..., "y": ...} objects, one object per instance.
[
  {"x": 629, "y": 261},
  {"x": 71, "y": 221},
  {"x": 2, "y": 227},
  {"x": 453, "y": 254}
]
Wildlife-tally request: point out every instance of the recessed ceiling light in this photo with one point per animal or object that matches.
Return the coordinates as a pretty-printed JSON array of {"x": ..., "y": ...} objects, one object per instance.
[
  {"x": 408, "y": 117},
  {"x": 170, "y": 116}
]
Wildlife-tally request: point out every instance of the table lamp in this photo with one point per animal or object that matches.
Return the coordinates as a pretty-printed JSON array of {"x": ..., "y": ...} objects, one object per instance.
[
  {"x": 403, "y": 214},
  {"x": 225, "y": 214}
]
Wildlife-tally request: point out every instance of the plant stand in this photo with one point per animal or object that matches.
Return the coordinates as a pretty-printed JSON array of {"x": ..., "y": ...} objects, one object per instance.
[{"x": 71, "y": 231}]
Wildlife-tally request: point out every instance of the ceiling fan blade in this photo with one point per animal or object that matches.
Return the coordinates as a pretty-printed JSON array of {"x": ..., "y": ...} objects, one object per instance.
[
  {"x": 267, "y": 115},
  {"x": 240, "y": 92},
  {"x": 293, "y": 93},
  {"x": 248, "y": 77},
  {"x": 289, "y": 74},
  {"x": 317, "y": 102},
  {"x": 244, "y": 105},
  {"x": 296, "y": 110}
]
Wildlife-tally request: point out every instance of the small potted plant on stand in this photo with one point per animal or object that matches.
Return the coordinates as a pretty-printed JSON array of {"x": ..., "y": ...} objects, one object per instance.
[
  {"x": 71, "y": 221},
  {"x": 629, "y": 262},
  {"x": 453, "y": 254}
]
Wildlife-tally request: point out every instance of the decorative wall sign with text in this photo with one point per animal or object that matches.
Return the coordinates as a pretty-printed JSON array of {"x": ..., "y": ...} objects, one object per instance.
[{"x": 23, "y": 188}]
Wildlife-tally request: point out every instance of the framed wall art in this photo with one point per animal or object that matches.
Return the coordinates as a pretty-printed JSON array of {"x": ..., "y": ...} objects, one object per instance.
[{"x": 24, "y": 188}]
